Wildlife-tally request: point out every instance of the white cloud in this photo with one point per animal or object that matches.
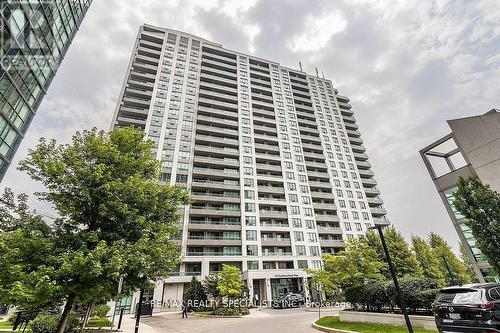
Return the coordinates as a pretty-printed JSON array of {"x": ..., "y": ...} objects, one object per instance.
[{"x": 317, "y": 31}]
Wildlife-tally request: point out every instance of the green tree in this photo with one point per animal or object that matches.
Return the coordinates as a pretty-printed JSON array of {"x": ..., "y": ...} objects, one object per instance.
[
  {"x": 26, "y": 244},
  {"x": 481, "y": 206},
  {"x": 230, "y": 284},
  {"x": 115, "y": 220},
  {"x": 195, "y": 294},
  {"x": 354, "y": 265},
  {"x": 210, "y": 283},
  {"x": 324, "y": 280},
  {"x": 427, "y": 260},
  {"x": 442, "y": 251},
  {"x": 464, "y": 257},
  {"x": 402, "y": 257}
]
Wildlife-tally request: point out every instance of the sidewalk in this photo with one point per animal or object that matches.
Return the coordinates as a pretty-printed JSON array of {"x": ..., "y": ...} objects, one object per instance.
[{"x": 128, "y": 325}]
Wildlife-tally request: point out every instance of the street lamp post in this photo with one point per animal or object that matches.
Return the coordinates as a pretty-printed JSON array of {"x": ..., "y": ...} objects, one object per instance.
[
  {"x": 138, "y": 312},
  {"x": 394, "y": 277},
  {"x": 449, "y": 270}
]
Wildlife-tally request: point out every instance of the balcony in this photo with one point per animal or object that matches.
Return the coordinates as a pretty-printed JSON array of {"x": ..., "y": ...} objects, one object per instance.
[
  {"x": 217, "y": 139},
  {"x": 358, "y": 148},
  {"x": 331, "y": 243},
  {"x": 349, "y": 119},
  {"x": 212, "y": 184},
  {"x": 326, "y": 218},
  {"x": 354, "y": 140},
  {"x": 226, "y": 173},
  {"x": 219, "y": 198},
  {"x": 212, "y": 254},
  {"x": 372, "y": 191},
  {"x": 276, "y": 242},
  {"x": 213, "y": 211},
  {"x": 374, "y": 201},
  {"x": 273, "y": 214},
  {"x": 378, "y": 211},
  {"x": 330, "y": 230},
  {"x": 352, "y": 133},
  {"x": 368, "y": 182},
  {"x": 324, "y": 206},
  {"x": 360, "y": 156},
  {"x": 363, "y": 165},
  {"x": 351, "y": 126},
  {"x": 366, "y": 173},
  {"x": 278, "y": 253},
  {"x": 213, "y": 226},
  {"x": 217, "y": 150},
  {"x": 270, "y": 189},
  {"x": 207, "y": 241}
]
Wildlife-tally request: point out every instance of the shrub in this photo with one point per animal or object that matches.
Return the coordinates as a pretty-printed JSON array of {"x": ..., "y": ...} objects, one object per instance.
[
  {"x": 44, "y": 324},
  {"x": 377, "y": 295},
  {"x": 228, "y": 311},
  {"x": 100, "y": 310},
  {"x": 47, "y": 323}
]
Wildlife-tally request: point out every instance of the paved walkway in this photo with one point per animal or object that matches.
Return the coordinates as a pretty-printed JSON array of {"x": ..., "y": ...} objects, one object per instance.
[{"x": 265, "y": 320}]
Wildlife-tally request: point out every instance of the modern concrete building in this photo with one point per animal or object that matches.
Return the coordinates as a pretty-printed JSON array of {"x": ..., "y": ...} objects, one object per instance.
[
  {"x": 272, "y": 155},
  {"x": 472, "y": 149},
  {"x": 34, "y": 37}
]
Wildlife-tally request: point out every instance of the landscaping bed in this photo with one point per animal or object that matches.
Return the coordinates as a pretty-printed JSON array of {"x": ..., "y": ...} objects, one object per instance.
[{"x": 335, "y": 323}]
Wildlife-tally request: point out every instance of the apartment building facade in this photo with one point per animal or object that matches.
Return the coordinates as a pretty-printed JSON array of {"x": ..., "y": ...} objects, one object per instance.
[
  {"x": 34, "y": 37},
  {"x": 272, "y": 156},
  {"x": 472, "y": 149}
]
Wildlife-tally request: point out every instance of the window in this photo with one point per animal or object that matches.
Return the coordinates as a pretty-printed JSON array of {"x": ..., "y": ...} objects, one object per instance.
[
  {"x": 312, "y": 237},
  {"x": 316, "y": 264},
  {"x": 252, "y": 250},
  {"x": 250, "y": 221},
  {"x": 249, "y": 207},
  {"x": 295, "y": 210},
  {"x": 310, "y": 224},
  {"x": 248, "y": 182},
  {"x": 347, "y": 226},
  {"x": 249, "y": 194},
  {"x": 252, "y": 265},
  {"x": 301, "y": 250},
  {"x": 299, "y": 236},
  {"x": 302, "y": 264},
  {"x": 251, "y": 235},
  {"x": 293, "y": 198},
  {"x": 248, "y": 171},
  {"x": 314, "y": 250},
  {"x": 358, "y": 227},
  {"x": 297, "y": 223}
]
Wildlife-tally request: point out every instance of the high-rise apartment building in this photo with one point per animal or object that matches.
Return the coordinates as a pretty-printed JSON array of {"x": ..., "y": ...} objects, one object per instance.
[
  {"x": 472, "y": 149},
  {"x": 272, "y": 156},
  {"x": 34, "y": 37}
]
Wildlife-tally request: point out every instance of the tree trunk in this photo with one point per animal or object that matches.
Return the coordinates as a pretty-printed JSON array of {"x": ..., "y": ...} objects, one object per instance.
[{"x": 65, "y": 314}]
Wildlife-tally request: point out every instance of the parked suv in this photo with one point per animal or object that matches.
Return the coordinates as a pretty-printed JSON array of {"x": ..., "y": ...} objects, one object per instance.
[
  {"x": 289, "y": 300},
  {"x": 468, "y": 309}
]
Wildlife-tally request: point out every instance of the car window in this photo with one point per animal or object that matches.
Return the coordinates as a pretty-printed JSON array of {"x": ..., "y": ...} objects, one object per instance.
[
  {"x": 459, "y": 296},
  {"x": 494, "y": 294}
]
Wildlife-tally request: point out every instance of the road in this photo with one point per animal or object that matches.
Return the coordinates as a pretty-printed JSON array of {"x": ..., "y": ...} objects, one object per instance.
[{"x": 264, "y": 320}]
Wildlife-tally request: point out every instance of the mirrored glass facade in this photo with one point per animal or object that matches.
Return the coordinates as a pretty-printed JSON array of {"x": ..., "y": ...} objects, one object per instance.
[{"x": 34, "y": 36}]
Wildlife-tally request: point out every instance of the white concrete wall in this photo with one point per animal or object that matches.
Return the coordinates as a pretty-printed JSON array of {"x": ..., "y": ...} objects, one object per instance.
[{"x": 387, "y": 318}]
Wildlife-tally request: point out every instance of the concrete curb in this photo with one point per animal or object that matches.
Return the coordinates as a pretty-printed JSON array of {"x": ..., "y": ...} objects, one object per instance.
[{"x": 329, "y": 329}]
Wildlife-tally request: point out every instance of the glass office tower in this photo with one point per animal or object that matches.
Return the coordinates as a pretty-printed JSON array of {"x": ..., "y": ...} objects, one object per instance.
[{"x": 34, "y": 36}]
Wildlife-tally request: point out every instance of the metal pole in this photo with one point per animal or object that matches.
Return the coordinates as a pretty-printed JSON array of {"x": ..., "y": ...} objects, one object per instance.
[
  {"x": 449, "y": 270},
  {"x": 395, "y": 279},
  {"x": 120, "y": 318},
  {"x": 319, "y": 309},
  {"x": 138, "y": 312}
]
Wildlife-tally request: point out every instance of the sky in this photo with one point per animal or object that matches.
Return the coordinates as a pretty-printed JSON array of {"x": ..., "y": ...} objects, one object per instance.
[{"x": 408, "y": 66}]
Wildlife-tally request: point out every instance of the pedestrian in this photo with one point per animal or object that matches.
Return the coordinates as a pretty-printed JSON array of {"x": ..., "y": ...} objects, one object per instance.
[{"x": 184, "y": 310}]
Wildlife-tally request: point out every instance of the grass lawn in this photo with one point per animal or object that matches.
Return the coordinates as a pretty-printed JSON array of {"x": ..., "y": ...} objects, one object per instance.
[
  {"x": 5, "y": 324},
  {"x": 334, "y": 322},
  {"x": 104, "y": 322}
]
